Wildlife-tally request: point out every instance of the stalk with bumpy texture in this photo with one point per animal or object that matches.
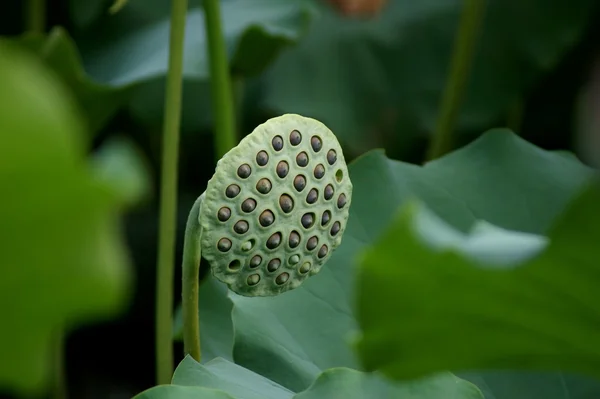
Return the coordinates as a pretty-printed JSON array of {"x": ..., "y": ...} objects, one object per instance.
[{"x": 271, "y": 216}]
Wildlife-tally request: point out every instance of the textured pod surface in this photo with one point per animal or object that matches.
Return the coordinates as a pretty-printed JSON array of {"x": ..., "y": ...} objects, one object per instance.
[{"x": 266, "y": 219}]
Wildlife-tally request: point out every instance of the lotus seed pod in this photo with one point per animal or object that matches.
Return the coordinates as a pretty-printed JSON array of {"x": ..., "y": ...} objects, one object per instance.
[{"x": 276, "y": 207}]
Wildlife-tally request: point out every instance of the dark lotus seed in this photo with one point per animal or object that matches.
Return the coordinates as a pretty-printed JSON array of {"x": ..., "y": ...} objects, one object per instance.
[
  {"x": 341, "y": 202},
  {"x": 282, "y": 169},
  {"x": 273, "y": 265},
  {"x": 312, "y": 243},
  {"x": 294, "y": 239},
  {"x": 244, "y": 171},
  {"x": 248, "y": 205},
  {"x": 224, "y": 244},
  {"x": 274, "y": 241},
  {"x": 316, "y": 143},
  {"x": 262, "y": 158},
  {"x": 299, "y": 183},
  {"x": 322, "y": 252},
  {"x": 241, "y": 227},
  {"x": 263, "y": 186},
  {"x": 328, "y": 193},
  {"x": 253, "y": 279},
  {"x": 302, "y": 159},
  {"x": 286, "y": 203},
  {"x": 277, "y": 143},
  {"x": 339, "y": 175},
  {"x": 319, "y": 171},
  {"x": 255, "y": 261},
  {"x": 232, "y": 191},
  {"x": 325, "y": 218},
  {"x": 224, "y": 214},
  {"x": 312, "y": 196},
  {"x": 307, "y": 220},
  {"x": 331, "y": 157},
  {"x": 335, "y": 228},
  {"x": 282, "y": 278},
  {"x": 305, "y": 268},
  {"x": 234, "y": 265},
  {"x": 266, "y": 218},
  {"x": 295, "y": 137}
]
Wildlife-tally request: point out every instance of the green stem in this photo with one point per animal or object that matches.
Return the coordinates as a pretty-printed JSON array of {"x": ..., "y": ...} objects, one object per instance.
[
  {"x": 464, "y": 46},
  {"x": 220, "y": 80},
  {"x": 35, "y": 20},
  {"x": 168, "y": 196},
  {"x": 190, "y": 285}
]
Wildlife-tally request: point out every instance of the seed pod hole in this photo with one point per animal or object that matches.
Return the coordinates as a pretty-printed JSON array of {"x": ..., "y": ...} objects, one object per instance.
[
  {"x": 339, "y": 175},
  {"x": 248, "y": 205},
  {"x": 322, "y": 251},
  {"x": 328, "y": 192},
  {"x": 308, "y": 220},
  {"x": 263, "y": 186},
  {"x": 325, "y": 218},
  {"x": 282, "y": 169},
  {"x": 294, "y": 259},
  {"x": 274, "y": 265},
  {"x": 304, "y": 268},
  {"x": 282, "y": 278},
  {"x": 244, "y": 171},
  {"x": 274, "y": 241},
  {"x": 234, "y": 265},
  {"x": 232, "y": 191},
  {"x": 341, "y": 202},
  {"x": 312, "y": 196},
  {"x": 302, "y": 159},
  {"x": 295, "y": 138},
  {"x": 312, "y": 243},
  {"x": 253, "y": 279},
  {"x": 299, "y": 183},
  {"x": 319, "y": 171},
  {"x": 255, "y": 261},
  {"x": 262, "y": 158},
  {"x": 277, "y": 143},
  {"x": 241, "y": 227},
  {"x": 316, "y": 143},
  {"x": 248, "y": 245},
  {"x": 335, "y": 228},
  {"x": 286, "y": 203},
  {"x": 266, "y": 218},
  {"x": 224, "y": 244},
  {"x": 331, "y": 157},
  {"x": 224, "y": 214},
  {"x": 294, "y": 239}
]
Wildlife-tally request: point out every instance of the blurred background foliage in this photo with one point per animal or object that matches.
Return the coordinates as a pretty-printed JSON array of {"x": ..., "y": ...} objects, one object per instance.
[{"x": 376, "y": 80}]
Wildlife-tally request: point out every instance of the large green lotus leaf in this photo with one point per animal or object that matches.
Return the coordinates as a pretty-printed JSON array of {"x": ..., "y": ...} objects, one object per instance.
[
  {"x": 132, "y": 46},
  {"x": 333, "y": 383},
  {"x": 499, "y": 178},
  {"x": 62, "y": 261},
  {"x": 351, "y": 384},
  {"x": 528, "y": 385},
  {"x": 385, "y": 75},
  {"x": 181, "y": 392},
  {"x": 216, "y": 330},
  {"x": 97, "y": 101},
  {"x": 452, "y": 311},
  {"x": 229, "y": 377}
]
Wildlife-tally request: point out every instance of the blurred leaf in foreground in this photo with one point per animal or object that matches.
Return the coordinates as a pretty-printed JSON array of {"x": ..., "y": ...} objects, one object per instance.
[
  {"x": 62, "y": 261},
  {"x": 425, "y": 307}
]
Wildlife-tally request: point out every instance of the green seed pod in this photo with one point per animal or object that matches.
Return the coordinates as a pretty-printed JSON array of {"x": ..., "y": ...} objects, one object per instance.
[{"x": 277, "y": 206}]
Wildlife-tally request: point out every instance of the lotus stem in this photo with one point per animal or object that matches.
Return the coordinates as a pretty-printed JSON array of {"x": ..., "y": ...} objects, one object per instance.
[{"x": 168, "y": 196}]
